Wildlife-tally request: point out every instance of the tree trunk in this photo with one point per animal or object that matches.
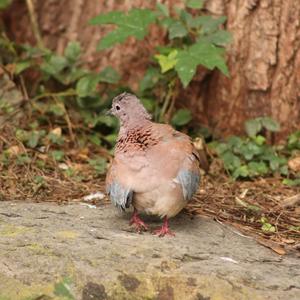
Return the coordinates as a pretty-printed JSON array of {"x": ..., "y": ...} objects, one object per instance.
[
  {"x": 264, "y": 63},
  {"x": 264, "y": 58}
]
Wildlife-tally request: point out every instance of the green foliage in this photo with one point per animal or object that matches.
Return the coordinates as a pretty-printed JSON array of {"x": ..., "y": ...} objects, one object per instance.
[
  {"x": 197, "y": 4},
  {"x": 66, "y": 93},
  {"x": 57, "y": 155},
  {"x": 248, "y": 157},
  {"x": 4, "y": 3},
  {"x": 266, "y": 226},
  {"x": 291, "y": 182},
  {"x": 254, "y": 126},
  {"x": 99, "y": 165},
  {"x": 193, "y": 40},
  {"x": 135, "y": 23},
  {"x": 181, "y": 117},
  {"x": 294, "y": 141}
]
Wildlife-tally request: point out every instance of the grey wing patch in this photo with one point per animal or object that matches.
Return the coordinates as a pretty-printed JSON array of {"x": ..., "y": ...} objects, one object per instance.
[
  {"x": 189, "y": 181},
  {"x": 121, "y": 197}
]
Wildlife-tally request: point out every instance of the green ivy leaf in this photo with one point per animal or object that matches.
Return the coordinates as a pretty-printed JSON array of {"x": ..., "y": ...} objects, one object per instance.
[
  {"x": 135, "y": 24},
  {"x": 99, "y": 164},
  {"x": 196, "y": 4},
  {"x": 218, "y": 38},
  {"x": 201, "y": 53},
  {"x": 177, "y": 30},
  {"x": 109, "y": 75},
  {"x": 22, "y": 66},
  {"x": 253, "y": 127},
  {"x": 89, "y": 102},
  {"x": 167, "y": 62},
  {"x": 149, "y": 104},
  {"x": 87, "y": 85},
  {"x": 294, "y": 141},
  {"x": 149, "y": 80},
  {"x": 209, "y": 24},
  {"x": 231, "y": 161},
  {"x": 23, "y": 159},
  {"x": 291, "y": 182},
  {"x": 259, "y": 140},
  {"x": 57, "y": 109},
  {"x": 270, "y": 124},
  {"x": 221, "y": 148},
  {"x": 55, "y": 138},
  {"x": 181, "y": 117},
  {"x": 235, "y": 142},
  {"x": 54, "y": 65},
  {"x": 33, "y": 139},
  {"x": 284, "y": 170},
  {"x": 95, "y": 139},
  {"x": 250, "y": 149},
  {"x": 72, "y": 51},
  {"x": 163, "y": 9},
  {"x": 58, "y": 155},
  {"x": 257, "y": 168},
  {"x": 241, "y": 171}
]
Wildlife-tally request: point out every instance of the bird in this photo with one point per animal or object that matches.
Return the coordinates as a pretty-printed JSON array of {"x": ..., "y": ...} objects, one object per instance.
[{"x": 155, "y": 168}]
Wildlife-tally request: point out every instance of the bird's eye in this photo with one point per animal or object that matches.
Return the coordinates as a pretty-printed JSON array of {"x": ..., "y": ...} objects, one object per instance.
[{"x": 117, "y": 107}]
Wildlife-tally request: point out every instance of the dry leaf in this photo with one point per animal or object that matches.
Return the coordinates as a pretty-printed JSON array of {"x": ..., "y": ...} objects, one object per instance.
[
  {"x": 288, "y": 241},
  {"x": 272, "y": 245},
  {"x": 57, "y": 131},
  {"x": 294, "y": 164},
  {"x": 14, "y": 150}
]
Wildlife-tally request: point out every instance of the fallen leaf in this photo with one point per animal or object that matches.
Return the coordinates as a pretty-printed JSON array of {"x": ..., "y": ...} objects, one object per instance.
[
  {"x": 14, "y": 150},
  {"x": 57, "y": 131},
  {"x": 294, "y": 164},
  {"x": 272, "y": 245},
  {"x": 288, "y": 241}
]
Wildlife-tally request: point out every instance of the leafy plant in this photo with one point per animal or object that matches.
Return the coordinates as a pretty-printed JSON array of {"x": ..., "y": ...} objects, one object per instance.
[
  {"x": 246, "y": 157},
  {"x": 99, "y": 165},
  {"x": 294, "y": 141},
  {"x": 192, "y": 41},
  {"x": 266, "y": 226}
]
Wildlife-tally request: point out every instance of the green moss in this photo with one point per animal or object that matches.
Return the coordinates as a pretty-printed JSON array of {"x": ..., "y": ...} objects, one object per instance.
[
  {"x": 67, "y": 234},
  {"x": 9, "y": 230}
]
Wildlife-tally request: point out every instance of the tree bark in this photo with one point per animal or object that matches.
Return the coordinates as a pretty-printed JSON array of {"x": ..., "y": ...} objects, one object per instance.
[
  {"x": 264, "y": 63},
  {"x": 263, "y": 59}
]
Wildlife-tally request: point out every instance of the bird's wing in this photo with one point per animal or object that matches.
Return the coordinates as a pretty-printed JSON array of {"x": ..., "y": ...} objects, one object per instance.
[
  {"x": 119, "y": 194},
  {"x": 177, "y": 159}
]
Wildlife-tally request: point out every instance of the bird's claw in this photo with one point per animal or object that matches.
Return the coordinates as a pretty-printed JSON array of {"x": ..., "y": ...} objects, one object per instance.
[
  {"x": 161, "y": 232},
  {"x": 138, "y": 224}
]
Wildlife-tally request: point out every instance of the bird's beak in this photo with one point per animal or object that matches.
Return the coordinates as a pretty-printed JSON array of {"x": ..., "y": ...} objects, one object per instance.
[{"x": 109, "y": 112}]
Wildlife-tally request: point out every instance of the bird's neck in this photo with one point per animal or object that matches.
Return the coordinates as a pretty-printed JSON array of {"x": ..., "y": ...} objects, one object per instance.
[{"x": 132, "y": 125}]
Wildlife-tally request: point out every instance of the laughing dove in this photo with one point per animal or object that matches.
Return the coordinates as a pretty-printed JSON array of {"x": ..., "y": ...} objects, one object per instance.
[{"x": 155, "y": 168}]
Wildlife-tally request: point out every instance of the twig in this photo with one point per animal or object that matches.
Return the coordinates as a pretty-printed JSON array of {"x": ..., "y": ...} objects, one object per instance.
[
  {"x": 291, "y": 201},
  {"x": 68, "y": 93},
  {"x": 34, "y": 24}
]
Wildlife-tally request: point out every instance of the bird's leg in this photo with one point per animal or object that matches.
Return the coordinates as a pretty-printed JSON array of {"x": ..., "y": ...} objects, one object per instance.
[
  {"x": 137, "y": 222},
  {"x": 164, "y": 230}
]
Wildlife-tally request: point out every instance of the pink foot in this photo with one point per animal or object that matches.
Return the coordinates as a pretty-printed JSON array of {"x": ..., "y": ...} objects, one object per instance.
[
  {"x": 137, "y": 222},
  {"x": 164, "y": 230}
]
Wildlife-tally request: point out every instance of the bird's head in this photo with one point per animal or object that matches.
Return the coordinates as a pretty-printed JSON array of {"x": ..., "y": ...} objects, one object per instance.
[{"x": 128, "y": 109}]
